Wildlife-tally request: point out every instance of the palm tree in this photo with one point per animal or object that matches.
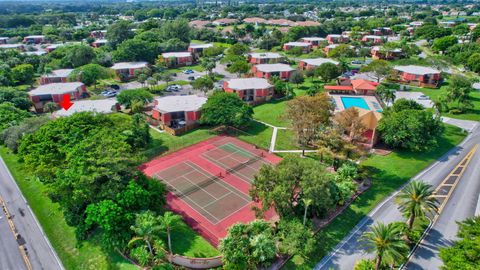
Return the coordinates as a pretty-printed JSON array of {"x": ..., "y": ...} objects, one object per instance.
[
  {"x": 167, "y": 222},
  {"x": 146, "y": 228},
  {"x": 386, "y": 242},
  {"x": 390, "y": 96},
  {"x": 416, "y": 200},
  {"x": 307, "y": 203}
]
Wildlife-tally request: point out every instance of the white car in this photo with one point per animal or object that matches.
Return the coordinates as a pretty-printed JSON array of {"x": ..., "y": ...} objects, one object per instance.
[
  {"x": 173, "y": 87},
  {"x": 423, "y": 97}
]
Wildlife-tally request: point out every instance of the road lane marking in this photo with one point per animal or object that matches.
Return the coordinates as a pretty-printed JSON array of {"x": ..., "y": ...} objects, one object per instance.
[
  {"x": 462, "y": 165},
  {"x": 22, "y": 248},
  {"x": 360, "y": 226}
]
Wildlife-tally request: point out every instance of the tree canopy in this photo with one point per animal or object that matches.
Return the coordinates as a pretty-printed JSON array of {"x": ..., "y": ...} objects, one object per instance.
[
  {"x": 286, "y": 185},
  {"x": 226, "y": 109},
  {"x": 248, "y": 245},
  {"x": 89, "y": 74},
  {"x": 128, "y": 97},
  {"x": 465, "y": 252},
  {"x": 11, "y": 115},
  {"x": 409, "y": 127}
]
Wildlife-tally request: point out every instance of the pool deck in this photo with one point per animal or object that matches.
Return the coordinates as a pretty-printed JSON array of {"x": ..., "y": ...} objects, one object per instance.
[{"x": 370, "y": 100}]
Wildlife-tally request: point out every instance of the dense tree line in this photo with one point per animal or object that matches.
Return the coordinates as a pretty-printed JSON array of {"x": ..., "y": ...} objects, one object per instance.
[{"x": 87, "y": 162}]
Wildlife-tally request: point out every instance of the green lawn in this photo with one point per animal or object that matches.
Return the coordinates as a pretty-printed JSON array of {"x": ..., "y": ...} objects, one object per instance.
[
  {"x": 388, "y": 174},
  {"x": 187, "y": 242},
  {"x": 473, "y": 114},
  {"x": 256, "y": 133},
  {"x": 163, "y": 143},
  {"x": 74, "y": 255},
  {"x": 272, "y": 112},
  {"x": 285, "y": 140}
]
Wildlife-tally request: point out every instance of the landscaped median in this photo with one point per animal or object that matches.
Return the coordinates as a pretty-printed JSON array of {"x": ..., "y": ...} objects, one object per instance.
[{"x": 388, "y": 173}]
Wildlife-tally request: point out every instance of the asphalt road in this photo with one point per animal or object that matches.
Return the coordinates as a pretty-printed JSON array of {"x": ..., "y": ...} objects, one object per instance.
[
  {"x": 10, "y": 257},
  {"x": 461, "y": 205},
  {"x": 40, "y": 252}
]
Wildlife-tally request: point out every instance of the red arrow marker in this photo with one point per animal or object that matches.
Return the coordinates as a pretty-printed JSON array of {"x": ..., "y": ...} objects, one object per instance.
[{"x": 66, "y": 104}]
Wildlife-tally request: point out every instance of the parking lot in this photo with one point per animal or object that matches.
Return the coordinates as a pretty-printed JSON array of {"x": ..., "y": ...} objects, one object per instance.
[{"x": 415, "y": 96}]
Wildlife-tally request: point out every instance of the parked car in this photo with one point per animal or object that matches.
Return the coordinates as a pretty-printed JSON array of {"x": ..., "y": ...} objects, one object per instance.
[
  {"x": 115, "y": 87},
  {"x": 109, "y": 93},
  {"x": 188, "y": 71},
  {"x": 191, "y": 78},
  {"x": 356, "y": 62},
  {"x": 423, "y": 97},
  {"x": 173, "y": 87}
]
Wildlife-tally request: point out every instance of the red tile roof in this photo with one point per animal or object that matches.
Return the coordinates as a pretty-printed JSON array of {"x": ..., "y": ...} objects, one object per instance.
[
  {"x": 364, "y": 85},
  {"x": 339, "y": 87}
]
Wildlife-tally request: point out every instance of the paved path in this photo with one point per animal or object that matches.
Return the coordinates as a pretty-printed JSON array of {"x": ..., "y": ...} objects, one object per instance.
[
  {"x": 40, "y": 252},
  {"x": 467, "y": 125},
  {"x": 463, "y": 200}
]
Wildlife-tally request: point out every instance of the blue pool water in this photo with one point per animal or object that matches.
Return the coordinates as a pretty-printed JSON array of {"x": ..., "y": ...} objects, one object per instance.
[{"x": 354, "y": 101}]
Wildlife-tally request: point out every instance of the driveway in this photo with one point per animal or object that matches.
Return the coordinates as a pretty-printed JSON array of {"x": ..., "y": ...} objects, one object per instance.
[
  {"x": 467, "y": 125},
  {"x": 184, "y": 77},
  {"x": 222, "y": 70}
]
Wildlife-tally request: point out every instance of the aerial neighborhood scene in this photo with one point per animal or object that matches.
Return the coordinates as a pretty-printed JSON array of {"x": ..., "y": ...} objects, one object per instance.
[{"x": 226, "y": 134}]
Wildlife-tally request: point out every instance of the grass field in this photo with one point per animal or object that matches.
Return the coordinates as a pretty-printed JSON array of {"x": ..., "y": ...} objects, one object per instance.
[
  {"x": 257, "y": 133},
  {"x": 187, "y": 242},
  {"x": 388, "y": 174},
  {"x": 272, "y": 112},
  {"x": 473, "y": 114},
  {"x": 163, "y": 143}
]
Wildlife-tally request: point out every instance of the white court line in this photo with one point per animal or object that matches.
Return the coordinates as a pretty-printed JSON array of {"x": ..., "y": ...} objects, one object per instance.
[
  {"x": 215, "y": 198},
  {"x": 238, "y": 150},
  {"x": 245, "y": 166},
  {"x": 225, "y": 185},
  {"x": 225, "y": 195},
  {"x": 185, "y": 197},
  {"x": 239, "y": 209}
]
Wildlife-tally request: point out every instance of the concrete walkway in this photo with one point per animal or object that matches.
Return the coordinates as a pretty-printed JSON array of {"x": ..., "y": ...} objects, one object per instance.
[
  {"x": 466, "y": 125},
  {"x": 274, "y": 140}
]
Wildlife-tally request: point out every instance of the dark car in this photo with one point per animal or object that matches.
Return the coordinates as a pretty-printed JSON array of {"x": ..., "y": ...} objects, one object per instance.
[{"x": 115, "y": 87}]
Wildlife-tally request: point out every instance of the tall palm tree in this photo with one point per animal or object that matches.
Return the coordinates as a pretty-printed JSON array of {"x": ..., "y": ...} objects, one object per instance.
[
  {"x": 386, "y": 242},
  {"x": 167, "y": 222},
  {"x": 146, "y": 228},
  {"x": 416, "y": 200},
  {"x": 307, "y": 203}
]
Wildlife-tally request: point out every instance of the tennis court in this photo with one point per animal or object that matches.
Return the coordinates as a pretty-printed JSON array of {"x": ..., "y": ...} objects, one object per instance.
[
  {"x": 237, "y": 160},
  {"x": 209, "y": 183},
  {"x": 206, "y": 193}
]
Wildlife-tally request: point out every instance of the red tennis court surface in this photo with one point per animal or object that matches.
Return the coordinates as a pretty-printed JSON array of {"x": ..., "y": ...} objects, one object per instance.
[{"x": 209, "y": 182}]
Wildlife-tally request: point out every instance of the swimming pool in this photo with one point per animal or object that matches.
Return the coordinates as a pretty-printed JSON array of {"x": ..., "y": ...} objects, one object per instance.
[{"x": 354, "y": 102}]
